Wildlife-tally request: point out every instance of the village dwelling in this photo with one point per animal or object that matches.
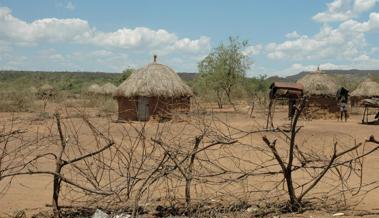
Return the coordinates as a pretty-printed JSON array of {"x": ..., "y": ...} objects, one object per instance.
[
  {"x": 108, "y": 89},
  {"x": 154, "y": 90},
  {"x": 290, "y": 92},
  {"x": 321, "y": 90},
  {"x": 94, "y": 89},
  {"x": 366, "y": 89},
  {"x": 46, "y": 90}
]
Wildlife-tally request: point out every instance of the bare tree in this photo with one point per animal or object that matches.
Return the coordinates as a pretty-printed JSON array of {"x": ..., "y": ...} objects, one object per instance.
[
  {"x": 350, "y": 159},
  {"x": 119, "y": 165},
  {"x": 28, "y": 165}
]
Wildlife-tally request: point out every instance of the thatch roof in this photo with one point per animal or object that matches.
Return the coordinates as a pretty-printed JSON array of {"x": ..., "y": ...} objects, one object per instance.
[
  {"x": 318, "y": 83},
  {"x": 46, "y": 87},
  {"x": 367, "y": 88},
  {"x": 94, "y": 89},
  {"x": 108, "y": 89},
  {"x": 153, "y": 80},
  {"x": 33, "y": 90},
  {"x": 46, "y": 90},
  {"x": 374, "y": 102}
]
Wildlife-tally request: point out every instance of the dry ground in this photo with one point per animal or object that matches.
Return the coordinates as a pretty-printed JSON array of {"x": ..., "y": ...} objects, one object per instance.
[{"x": 34, "y": 192}]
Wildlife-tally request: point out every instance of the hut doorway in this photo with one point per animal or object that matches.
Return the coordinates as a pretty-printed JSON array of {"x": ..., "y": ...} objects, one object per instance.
[{"x": 143, "y": 108}]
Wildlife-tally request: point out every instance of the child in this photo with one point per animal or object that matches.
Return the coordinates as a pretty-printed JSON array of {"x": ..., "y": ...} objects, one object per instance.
[{"x": 343, "y": 110}]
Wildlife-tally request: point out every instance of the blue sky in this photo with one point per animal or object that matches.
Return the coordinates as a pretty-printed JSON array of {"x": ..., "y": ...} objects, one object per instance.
[{"x": 285, "y": 37}]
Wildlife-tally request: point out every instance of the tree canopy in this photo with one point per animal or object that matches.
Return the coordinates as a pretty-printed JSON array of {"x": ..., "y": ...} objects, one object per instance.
[{"x": 224, "y": 68}]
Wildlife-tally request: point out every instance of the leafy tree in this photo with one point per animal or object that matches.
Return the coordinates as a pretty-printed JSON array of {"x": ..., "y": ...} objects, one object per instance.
[
  {"x": 224, "y": 68},
  {"x": 257, "y": 87},
  {"x": 125, "y": 74}
]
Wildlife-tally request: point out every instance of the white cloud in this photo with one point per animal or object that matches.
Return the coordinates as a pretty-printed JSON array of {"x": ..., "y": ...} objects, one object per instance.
[
  {"x": 79, "y": 31},
  {"x": 371, "y": 25},
  {"x": 70, "y": 6},
  {"x": 341, "y": 10},
  {"x": 364, "y": 5},
  {"x": 101, "y": 53},
  {"x": 50, "y": 29},
  {"x": 292, "y": 35},
  {"x": 193, "y": 45},
  {"x": 253, "y": 50},
  {"x": 346, "y": 41}
]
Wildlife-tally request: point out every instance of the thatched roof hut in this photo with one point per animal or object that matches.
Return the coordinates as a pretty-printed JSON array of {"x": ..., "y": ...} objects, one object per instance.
[
  {"x": 46, "y": 87},
  {"x": 318, "y": 83},
  {"x": 367, "y": 88},
  {"x": 321, "y": 89},
  {"x": 33, "y": 90},
  {"x": 155, "y": 89},
  {"x": 108, "y": 89},
  {"x": 94, "y": 89},
  {"x": 153, "y": 80},
  {"x": 46, "y": 90}
]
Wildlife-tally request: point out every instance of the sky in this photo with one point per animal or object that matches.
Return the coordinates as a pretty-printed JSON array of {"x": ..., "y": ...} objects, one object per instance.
[{"x": 285, "y": 36}]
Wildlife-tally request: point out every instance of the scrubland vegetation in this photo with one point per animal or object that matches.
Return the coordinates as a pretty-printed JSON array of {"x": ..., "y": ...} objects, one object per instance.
[{"x": 215, "y": 161}]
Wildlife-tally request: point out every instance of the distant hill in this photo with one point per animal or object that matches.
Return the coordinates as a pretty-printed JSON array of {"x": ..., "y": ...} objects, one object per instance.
[
  {"x": 187, "y": 76},
  {"x": 351, "y": 74},
  {"x": 63, "y": 80}
]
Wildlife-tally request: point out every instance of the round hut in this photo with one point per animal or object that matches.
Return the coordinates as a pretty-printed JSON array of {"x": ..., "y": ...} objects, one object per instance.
[
  {"x": 46, "y": 90},
  {"x": 33, "y": 90},
  {"x": 154, "y": 90},
  {"x": 366, "y": 89},
  {"x": 94, "y": 89},
  {"x": 108, "y": 89},
  {"x": 321, "y": 90}
]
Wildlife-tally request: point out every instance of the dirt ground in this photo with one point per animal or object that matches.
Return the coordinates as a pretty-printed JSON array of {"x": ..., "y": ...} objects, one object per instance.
[{"x": 34, "y": 192}]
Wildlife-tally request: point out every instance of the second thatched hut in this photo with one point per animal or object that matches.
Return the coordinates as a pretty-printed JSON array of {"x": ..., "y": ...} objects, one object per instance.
[
  {"x": 368, "y": 88},
  {"x": 153, "y": 90},
  {"x": 108, "y": 89},
  {"x": 93, "y": 89},
  {"x": 46, "y": 90},
  {"x": 321, "y": 90}
]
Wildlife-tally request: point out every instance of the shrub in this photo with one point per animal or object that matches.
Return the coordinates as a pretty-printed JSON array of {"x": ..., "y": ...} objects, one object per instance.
[{"x": 17, "y": 101}]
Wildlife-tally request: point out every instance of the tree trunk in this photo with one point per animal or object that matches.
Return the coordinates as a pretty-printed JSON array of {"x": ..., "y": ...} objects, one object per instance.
[
  {"x": 228, "y": 94},
  {"x": 188, "y": 196},
  {"x": 56, "y": 190},
  {"x": 295, "y": 205},
  {"x": 58, "y": 168},
  {"x": 219, "y": 99}
]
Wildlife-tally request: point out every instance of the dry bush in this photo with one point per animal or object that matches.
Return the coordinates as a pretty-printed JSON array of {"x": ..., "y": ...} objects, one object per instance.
[
  {"x": 201, "y": 166},
  {"x": 17, "y": 101}
]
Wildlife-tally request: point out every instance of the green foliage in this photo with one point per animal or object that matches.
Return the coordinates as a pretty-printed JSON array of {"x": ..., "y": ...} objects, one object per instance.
[
  {"x": 223, "y": 69},
  {"x": 347, "y": 82},
  {"x": 17, "y": 101},
  {"x": 256, "y": 86},
  {"x": 125, "y": 74},
  {"x": 73, "y": 82}
]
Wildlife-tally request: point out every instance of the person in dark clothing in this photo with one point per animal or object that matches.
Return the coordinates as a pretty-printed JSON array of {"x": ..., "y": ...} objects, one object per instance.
[
  {"x": 291, "y": 107},
  {"x": 343, "y": 109},
  {"x": 342, "y": 97}
]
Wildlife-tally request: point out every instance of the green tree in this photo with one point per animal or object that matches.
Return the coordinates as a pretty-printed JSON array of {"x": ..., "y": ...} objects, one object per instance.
[
  {"x": 224, "y": 68},
  {"x": 257, "y": 88},
  {"x": 125, "y": 74}
]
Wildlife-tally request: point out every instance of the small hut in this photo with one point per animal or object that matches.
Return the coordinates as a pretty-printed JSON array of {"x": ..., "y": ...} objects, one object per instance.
[
  {"x": 366, "y": 89},
  {"x": 94, "y": 89},
  {"x": 108, "y": 89},
  {"x": 153, "y": 90},
  {"x": 370, "y": 103},
  {"x": 46, "y": 90},
  {"x": 33, "y": 90},
  {"x": 283, "y": 91},
  {"x": 321, "y": 90}
]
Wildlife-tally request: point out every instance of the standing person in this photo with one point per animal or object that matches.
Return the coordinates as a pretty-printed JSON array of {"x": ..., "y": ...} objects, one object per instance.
[
  {"x": 291, "y": 107},
  {"x": 343, "y": 109}
]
